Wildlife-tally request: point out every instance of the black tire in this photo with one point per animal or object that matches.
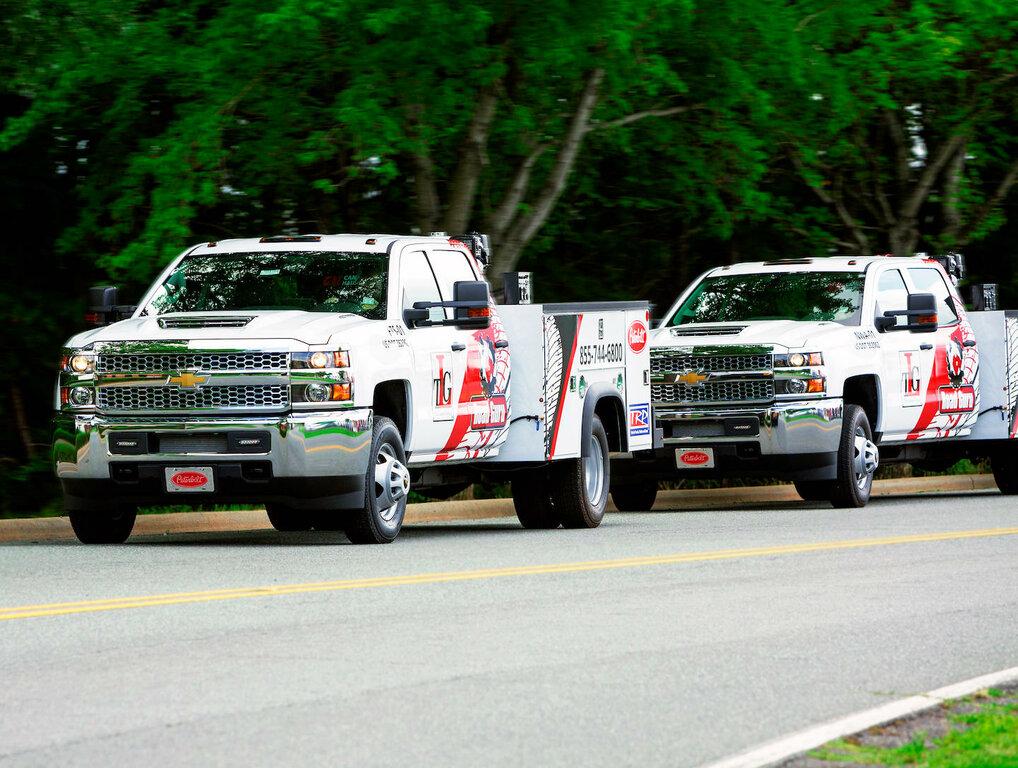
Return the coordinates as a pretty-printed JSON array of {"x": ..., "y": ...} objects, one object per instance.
[
  {"x": 287, "y": 520},
  {"x": 813, "y": 490},
  {"x": 103, "y": 527},
  {"x": 634, "y": 497},
  {"x": 579, "y": 487},
  {"x": 1004, "y": 464},
  {"x": 378, "y": 521},
  {"x": 532, "y": 499},
  {"x": 852, "y": 488}
]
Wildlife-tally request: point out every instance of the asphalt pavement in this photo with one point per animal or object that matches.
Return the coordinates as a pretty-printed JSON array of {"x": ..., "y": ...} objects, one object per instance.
[{"x": 660, "y": 638}]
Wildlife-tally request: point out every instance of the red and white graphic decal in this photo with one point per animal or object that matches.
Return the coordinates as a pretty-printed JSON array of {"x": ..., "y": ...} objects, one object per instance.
[
  {"x": 441, "y": 387},
  {"x": 952, "y": 394},
  {"x": 189, "y": 479},
  {"x": 489, "y": 413},
  {"x": 911, "y": 377},
  {"x": 636, "y": 336},
  {"x": 960, "y": 400},
  {"x": 483, "y": 395}
]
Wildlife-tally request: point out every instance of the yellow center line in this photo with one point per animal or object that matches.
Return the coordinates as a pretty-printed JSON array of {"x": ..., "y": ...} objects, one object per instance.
[{"x": 237, "y": 593}]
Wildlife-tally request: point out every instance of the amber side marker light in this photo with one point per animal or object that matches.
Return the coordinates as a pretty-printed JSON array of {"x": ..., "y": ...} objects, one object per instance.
[{"x": 341, "y": 391}]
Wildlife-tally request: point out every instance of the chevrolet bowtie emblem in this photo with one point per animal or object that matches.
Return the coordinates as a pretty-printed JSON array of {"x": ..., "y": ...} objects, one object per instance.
[
  {"x": 691, "y": 378},
  {"x": 187, "y": 380}
]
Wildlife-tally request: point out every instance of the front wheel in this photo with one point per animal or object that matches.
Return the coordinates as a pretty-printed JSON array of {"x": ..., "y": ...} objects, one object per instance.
[
  {"x": 579, "y": 487},
  {"x": 386, "y": 485},
  {"x": 103, "y": 527},
  {"x": 1004, "y": 464},
  {"x": 858, "y": 458}
]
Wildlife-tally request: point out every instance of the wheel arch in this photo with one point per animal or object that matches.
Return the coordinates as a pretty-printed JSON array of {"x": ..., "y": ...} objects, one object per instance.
[
  {"x": 864, "y": 390},
  {"x": 605, "y": 402},
  {"x": 392, "y": 399}
]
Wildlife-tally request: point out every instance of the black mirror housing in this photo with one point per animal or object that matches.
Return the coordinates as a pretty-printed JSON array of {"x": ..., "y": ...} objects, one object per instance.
[
  {"x": 471, "y": 305},
  {"x": 103, "y": 308},
  {"x": 921, "y": 315}
]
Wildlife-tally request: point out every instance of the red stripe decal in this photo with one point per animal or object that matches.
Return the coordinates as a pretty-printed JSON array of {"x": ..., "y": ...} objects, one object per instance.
[{"x": 565, "y": 388}]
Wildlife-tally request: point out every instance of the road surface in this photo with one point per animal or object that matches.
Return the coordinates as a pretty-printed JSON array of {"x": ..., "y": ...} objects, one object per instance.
[{"x": 659, "y": 639}]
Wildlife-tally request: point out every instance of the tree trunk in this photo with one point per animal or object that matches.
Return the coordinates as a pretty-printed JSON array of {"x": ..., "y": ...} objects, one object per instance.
[
  {"x": 21, "y": 421},
  {"x": 463, "y": 190},
  {"x": 521, "y": 232}
]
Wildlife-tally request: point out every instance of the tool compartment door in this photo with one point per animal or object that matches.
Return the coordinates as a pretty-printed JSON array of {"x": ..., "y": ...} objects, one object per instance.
[{"x": 639, "y": 424}]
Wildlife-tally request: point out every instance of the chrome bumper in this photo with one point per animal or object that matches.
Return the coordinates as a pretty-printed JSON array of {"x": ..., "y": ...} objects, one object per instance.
[
  {"x": 784, "y": 428},
  {"x": 320, "y": 444}
]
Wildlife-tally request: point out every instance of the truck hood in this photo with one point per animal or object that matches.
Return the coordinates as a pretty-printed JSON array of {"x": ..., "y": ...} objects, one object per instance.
[
  {"x": 793, "y": 334},
  {"x": 306, "y": 327}
]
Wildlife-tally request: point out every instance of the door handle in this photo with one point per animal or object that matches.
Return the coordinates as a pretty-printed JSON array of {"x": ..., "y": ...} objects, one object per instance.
[
  {"x": 926, "y": 346},
  {"x": 969, "y": 343},
  {"x": 457, "y": 347},
  {"x": 502, "y": 344}
]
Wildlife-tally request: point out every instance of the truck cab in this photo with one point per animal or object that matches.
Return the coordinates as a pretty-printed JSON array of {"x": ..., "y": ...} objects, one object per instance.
[{"x": 816, "y": 370}]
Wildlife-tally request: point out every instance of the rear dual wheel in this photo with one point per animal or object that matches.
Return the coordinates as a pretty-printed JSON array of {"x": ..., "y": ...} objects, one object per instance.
[{"x": 572, "y": 493}]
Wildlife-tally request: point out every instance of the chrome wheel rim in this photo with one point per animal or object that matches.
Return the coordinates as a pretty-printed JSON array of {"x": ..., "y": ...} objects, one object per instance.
[
  {"x": 392, "y": 482},
  {"x": 593, "y": 471},
  {"x": 865, "y": 460}
]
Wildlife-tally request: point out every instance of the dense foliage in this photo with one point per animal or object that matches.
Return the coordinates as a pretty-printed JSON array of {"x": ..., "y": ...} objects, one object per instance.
[{"x": 615, "y": 149}]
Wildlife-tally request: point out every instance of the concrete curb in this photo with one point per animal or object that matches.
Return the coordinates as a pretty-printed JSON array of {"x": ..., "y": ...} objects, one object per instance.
[
  {"x": 778, "y": 751},
  {"x": 59, "y": 528}
]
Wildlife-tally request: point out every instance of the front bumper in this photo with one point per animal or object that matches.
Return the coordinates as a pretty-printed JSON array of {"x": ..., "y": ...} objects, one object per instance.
[
  {"x": 311, "y": 460},
  {"x": 794, "y": 440}
]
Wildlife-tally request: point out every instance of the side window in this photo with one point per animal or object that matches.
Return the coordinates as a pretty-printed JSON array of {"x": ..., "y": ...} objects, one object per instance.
[
  {"x": 928, "y": 280},
  {"x": 450, "y": 267},
  {"x": 418, "y": 283},
  {"x": 892, "y": 295}
]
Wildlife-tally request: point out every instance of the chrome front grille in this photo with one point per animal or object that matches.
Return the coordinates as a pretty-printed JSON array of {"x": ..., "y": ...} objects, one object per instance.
[
  {"x": 168, "y": 398},
  {"x": 167, "y": 362},
  {"x": 679, "y": 363},
  {"x": 760, "y": 390}
]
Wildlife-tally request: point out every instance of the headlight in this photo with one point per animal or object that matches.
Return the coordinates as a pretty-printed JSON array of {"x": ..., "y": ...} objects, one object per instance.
[
  {"x": 816, "y": 385},
  {"x": 799, "y": 360},
  {"x": 320, "y": 359},
  {"x": 80, "y": 364}
]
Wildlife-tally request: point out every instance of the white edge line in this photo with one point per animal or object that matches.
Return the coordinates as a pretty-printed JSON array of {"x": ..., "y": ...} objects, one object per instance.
[{"x": 811, "y": 738}]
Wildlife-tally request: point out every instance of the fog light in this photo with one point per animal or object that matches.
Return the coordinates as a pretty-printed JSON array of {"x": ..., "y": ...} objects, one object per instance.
[
  {"x": 317, "y": 392},
  {"x": 81, "y": 396},
  {"x": 795, "y": 386},
  {"x": 81, "y": 363}
]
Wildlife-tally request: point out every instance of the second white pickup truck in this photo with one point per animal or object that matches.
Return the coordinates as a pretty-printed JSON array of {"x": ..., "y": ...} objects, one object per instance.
[
  {"x": 817, "y": 370},
  {"x": 327, "y": 375}
]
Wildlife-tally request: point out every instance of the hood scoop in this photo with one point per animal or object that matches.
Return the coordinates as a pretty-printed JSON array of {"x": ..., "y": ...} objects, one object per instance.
[
  {"x": 710, "y": 330},
  {"x": 207, "y": 321}
]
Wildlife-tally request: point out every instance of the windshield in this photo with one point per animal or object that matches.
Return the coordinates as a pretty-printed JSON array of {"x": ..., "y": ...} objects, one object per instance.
[
  {"x": 834, "y": 296},
  {"x": 312, "y": 281}
]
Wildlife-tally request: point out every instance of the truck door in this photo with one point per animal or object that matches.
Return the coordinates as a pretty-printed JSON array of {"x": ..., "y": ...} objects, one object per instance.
[
  {"x": 950, "y": 356},
  {"x": 482, "y": 420},
  {"x": 438, "y": 361},
  {"x": 902, "y": 366}
]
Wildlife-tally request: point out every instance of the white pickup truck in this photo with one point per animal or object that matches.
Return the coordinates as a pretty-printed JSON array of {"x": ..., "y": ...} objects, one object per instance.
[
  {"x": 817, "y": 370},
  {"x": 326, "y": 375}
]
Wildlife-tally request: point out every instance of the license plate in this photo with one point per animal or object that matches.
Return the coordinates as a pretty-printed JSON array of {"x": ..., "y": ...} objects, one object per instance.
[
  {"x": 190, "y": 480},
  {"x": 694, "y": 458}
]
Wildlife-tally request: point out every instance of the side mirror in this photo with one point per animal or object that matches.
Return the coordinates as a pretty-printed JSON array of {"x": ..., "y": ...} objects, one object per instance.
[
  {"x": 103, "y": 308},
  {"x": 473, "y": 309},
  {"x": 921, "y": 315},
  {"x": 470, "y": 304}
]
